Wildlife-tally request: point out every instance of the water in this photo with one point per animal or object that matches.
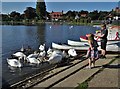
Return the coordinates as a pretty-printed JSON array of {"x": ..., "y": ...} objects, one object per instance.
[{"x": 13, "y": 37}]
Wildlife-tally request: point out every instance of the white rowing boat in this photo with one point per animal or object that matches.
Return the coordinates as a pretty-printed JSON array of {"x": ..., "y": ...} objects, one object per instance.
[
  {"x": 113, "y": 47},
  {"x": 85, "y": 43}
]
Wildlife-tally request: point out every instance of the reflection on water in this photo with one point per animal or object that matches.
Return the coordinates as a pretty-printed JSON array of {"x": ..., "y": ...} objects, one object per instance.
[{"x": 15, "y": 36}]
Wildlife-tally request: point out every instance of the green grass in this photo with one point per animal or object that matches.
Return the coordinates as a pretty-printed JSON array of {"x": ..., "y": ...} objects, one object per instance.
[{"x": 83, "y": 85}]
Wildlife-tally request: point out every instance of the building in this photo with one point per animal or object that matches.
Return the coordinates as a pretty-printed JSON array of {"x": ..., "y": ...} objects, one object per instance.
[
  {"x": 55, "y": 16},
  {"x": 83, "y": 15}
]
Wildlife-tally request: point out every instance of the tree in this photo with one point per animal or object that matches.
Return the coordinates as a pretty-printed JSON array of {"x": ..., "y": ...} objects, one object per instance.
[
  {"x": 30, "y": 13},
  {"x": 103, "y": 15},
  {"x": 15, "y": 15},
  {"x": 5, "y": 17},
  {"x": 94, "y": 15},
  {"x": 41, "y": 9},
  {"x": 70, "y": 15}
]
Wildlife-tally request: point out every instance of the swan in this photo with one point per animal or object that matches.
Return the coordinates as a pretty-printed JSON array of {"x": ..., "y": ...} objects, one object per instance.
[
  {"x": 42, "y": 47},
  {"x": 14, "y": 62},
  {"x": 42, "y": 54},
  {"x": 49, "y": 52},
  {"x": 64, "y": 54},
  {"x": 32, "y": 56},
  {"x": 20, "y": 55},
  {"x": 56, "y": 58},
  {"x": 70, "y": 27},
  {"x": 72, "y": 52},
  {"x": 33, "y": 60},
  {"x": 50, "y": 26},
  {"x": 22, "y": 49}
]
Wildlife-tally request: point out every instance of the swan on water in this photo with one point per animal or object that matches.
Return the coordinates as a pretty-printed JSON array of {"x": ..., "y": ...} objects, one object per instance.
[
  {"x": 20, "y": 55},
  {"x": 70, "y": 27},
  {"x": 72, "y": 52},
  {"x": 14, "y": 62},
  {"x": 50, "y": 26},
  {"x": 22, "y": 49},
  {"x": 42, "y": 47}
]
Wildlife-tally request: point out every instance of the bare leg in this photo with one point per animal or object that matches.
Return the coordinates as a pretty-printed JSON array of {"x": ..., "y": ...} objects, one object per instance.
[
  {"x": 93, "y": 62},
  {"x": 103, "y": 52},
  {"x": 90, "y": 63}
]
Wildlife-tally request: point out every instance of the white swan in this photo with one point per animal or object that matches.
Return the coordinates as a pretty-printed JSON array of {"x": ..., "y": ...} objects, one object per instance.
[
  {"x": 42, "y": 47},
  {"x": 32, "y": 56},
  {"x": 20, "y": 55},
  {"x": 50, "y": 27},
  {"x": 70, "y": 27},
  {"x": 49, "y": 52},
  {"x": 14, "y": 63},
  {"x": 72, "y": 52},
  {"x": 33, "y": 60},
  {"x": 22, "y": 49},
  {"x": 42, "y": 54},
  {"x": 56, "y": 58},
  {"x": 64, "y": 54}
]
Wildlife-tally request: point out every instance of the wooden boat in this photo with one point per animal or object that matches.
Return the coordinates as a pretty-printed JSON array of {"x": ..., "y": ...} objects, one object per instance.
[
  {"x": 111, "y": 48},
  {"x": 85, "y": 43}
]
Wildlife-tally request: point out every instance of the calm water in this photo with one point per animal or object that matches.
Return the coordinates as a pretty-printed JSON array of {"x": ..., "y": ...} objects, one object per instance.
[{"x": 13, "y": 37}]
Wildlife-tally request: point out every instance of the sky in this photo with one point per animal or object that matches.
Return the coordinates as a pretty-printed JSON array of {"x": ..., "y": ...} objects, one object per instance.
[{"x": 8, "y": 7}]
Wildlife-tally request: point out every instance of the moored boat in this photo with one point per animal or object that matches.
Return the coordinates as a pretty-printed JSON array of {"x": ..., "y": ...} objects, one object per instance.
[
  {"x": 84, "y": 38},
  {"x": 85, "y": 43},
  {"x": 114, "y": 47}
]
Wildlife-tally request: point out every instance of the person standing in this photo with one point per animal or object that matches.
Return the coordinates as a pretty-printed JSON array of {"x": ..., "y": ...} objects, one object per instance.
[
  {"x": 92, "y": 53},
  {"x": 103, "y": 37}
]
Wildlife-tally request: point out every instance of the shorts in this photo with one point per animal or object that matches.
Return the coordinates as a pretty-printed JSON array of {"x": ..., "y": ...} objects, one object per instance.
[
  {"x": 92, "y": 54},
  {"x": 103, "y": 44}
]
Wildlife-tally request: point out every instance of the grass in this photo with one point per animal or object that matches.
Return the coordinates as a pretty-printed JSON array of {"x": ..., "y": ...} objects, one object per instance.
[{"x": 83, "y": 85}]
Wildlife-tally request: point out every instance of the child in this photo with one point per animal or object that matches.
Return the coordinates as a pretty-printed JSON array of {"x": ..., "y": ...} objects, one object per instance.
[{"x": 92, "y": 53}]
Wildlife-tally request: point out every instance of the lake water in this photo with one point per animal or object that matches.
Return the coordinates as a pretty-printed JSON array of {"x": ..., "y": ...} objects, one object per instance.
[{"x": 13, "y": 37}]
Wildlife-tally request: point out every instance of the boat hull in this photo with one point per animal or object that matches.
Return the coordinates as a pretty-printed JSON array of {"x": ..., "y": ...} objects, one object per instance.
[
  {"x": 111, "y": 48},
  {"x": 85, "y": 43}
]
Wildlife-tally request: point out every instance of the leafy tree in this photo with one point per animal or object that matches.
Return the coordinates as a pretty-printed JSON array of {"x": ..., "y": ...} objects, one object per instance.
[
  {"x": 94, "y": 15},
  {"x": 5, "y": 17},
  {"x": 41, "y": 9},
  {"x": 30, "y": 13},
  {"x": 15, "y": 15},
  {"x": 103, "y": 15},
  {"x": 83, "y": 12},
  {"x": 70, "y": 15}
]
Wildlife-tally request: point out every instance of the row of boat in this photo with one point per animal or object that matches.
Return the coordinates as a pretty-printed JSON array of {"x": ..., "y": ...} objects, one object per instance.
[
  {"x": 113, "y": 43},
  {"x": 83, "y": 45}
]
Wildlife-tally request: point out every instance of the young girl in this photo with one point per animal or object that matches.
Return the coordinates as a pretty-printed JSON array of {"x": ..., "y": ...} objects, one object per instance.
[{"x": 92, "y": 53}]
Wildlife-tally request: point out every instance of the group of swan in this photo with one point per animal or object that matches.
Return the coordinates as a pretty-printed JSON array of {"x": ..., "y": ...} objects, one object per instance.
[
  {"x": 34, "y": 58},
  {"x": 54, "y": 56}
]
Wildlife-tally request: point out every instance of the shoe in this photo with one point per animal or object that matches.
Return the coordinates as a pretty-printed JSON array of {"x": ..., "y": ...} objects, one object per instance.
[{"x": 88, "y": 67}]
